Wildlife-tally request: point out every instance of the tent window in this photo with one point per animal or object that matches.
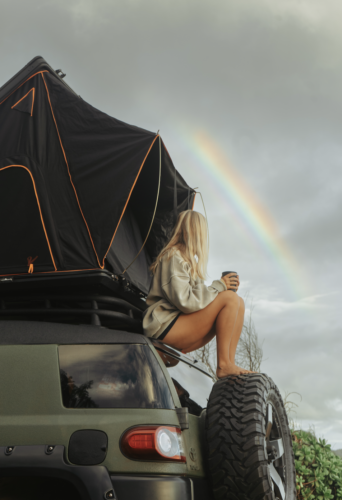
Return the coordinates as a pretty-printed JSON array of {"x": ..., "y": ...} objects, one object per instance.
[
  {"x": 23, "y": 237},
  {"x": 26, "y": 103}
]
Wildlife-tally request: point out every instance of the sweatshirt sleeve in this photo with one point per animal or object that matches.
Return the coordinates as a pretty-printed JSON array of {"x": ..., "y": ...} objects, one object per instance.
[{"x": 177, "y": 289}]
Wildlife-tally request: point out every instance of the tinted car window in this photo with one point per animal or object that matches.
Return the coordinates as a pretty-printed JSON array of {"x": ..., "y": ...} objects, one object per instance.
[
  {"x": 192, "y": 385},
  {"x": 112, "y": 376}
]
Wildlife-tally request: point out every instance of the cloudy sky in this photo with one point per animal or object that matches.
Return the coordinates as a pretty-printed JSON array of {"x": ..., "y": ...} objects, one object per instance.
[{"x": 247, "y": 96}]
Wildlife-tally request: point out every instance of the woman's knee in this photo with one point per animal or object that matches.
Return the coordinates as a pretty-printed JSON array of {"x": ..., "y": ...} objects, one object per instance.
[{"x": 229, "y": 298}]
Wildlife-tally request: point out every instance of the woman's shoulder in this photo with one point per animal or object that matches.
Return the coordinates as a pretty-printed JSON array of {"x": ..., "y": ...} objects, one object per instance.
[{"x": 174, "y": 257}]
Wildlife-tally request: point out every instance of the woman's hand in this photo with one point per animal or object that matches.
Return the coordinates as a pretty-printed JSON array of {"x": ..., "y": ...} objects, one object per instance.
[{"x": 232, "y": 281}]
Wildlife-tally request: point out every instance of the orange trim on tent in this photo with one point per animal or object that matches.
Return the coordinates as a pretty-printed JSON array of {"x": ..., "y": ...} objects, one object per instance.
[
  {"x": 124, "y": 209},
  {"x": 54, "y": 272},
  {"x": 32, "y": 90},
  {"x": 40, "y": 212},
  {"x": 39, "y": 73},
  {"x": 66, "y": 161}
]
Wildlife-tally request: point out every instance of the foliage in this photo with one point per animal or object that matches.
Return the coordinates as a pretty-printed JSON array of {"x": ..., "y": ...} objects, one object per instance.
[{"x": 318, "y": 469}]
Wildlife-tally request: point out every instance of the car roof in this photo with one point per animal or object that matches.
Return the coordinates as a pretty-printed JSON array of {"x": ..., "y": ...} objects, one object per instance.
[{"x": 39, "y": 332}]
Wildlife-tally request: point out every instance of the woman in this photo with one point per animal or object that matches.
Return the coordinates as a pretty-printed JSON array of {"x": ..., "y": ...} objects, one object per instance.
[{"x": 185, "y": 313}]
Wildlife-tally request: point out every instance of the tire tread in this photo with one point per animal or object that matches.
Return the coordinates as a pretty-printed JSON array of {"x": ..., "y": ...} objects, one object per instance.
[{"x": 235, "y": 430}]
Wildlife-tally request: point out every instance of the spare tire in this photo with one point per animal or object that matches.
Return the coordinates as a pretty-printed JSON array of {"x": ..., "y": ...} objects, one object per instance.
[{"x": 248, "y": 440}]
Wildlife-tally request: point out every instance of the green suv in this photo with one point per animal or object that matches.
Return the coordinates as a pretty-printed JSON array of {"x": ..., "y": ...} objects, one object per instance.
[{"x": 92, "y": 409}]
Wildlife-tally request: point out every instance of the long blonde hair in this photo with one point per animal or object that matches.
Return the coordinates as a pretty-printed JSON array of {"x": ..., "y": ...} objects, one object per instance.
[{"x": 190, "y": 237}]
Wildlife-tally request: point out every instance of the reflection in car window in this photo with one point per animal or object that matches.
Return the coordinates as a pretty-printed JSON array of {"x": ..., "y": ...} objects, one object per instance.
[
  {"x": 112, "y": 376},
  {"x": 193, "y": 386}
]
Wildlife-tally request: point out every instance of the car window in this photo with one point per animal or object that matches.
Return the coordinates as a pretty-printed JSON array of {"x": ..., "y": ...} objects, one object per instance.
[
  {"x": 192, "y": 385},
  {"x": 112, "y": 376}
]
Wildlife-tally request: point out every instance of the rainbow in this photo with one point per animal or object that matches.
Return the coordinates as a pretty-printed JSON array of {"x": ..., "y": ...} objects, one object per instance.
[{"x": 250, "y": 212}]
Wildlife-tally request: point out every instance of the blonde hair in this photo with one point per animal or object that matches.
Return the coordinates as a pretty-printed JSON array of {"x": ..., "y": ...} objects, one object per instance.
[{"x": 190, "y": 237}]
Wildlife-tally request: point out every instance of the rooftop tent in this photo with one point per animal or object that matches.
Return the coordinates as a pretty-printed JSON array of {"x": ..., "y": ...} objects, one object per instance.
[{"x": 78, "y": 188}]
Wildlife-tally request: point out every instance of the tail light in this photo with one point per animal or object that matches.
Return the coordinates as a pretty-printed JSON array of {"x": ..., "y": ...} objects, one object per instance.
[{"x": 153, "y": 443}]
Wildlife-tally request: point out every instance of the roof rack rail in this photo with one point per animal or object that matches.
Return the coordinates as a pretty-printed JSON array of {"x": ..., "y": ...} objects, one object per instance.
[{"x": 111, "y": 312}]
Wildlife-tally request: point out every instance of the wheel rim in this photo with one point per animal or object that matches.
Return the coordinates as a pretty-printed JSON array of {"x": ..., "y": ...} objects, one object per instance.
[{"x": 274, "y": 450}]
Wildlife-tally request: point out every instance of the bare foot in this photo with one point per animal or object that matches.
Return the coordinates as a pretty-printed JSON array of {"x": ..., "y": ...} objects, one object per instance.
[
  {"x": 231, "y": 369},
  {"x": 245, "y": 371}
]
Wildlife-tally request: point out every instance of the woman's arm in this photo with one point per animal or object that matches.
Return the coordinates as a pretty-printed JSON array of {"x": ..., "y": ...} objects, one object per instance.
[{"x": 177, "y": 289}]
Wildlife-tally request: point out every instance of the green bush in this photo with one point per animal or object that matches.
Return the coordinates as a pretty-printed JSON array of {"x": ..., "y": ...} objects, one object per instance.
[{"x": 318, "y": 469}]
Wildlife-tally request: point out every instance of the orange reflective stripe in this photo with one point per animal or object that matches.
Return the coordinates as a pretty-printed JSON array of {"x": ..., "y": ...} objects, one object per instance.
[
  {"x": 54, "y": 272},
  {"x": 32, "y": 90},
  {"x": 33, "y": 97},
  {"x": 66, "y": 161},
  {"x": 40, "y": 212},
  {"x": 141, "y": 166},
  {"x": 38, "y": 73}
]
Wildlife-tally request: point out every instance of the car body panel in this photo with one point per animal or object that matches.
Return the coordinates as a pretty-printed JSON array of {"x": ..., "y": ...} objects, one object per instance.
[{"x": 32, "y": 413}]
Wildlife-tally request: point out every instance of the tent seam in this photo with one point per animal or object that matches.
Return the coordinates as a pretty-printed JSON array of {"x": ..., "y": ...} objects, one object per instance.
[
  {"x": 40, "y": 211},
  {"x": 128, "y": 198},
  {"x": 66, "y": 161}
]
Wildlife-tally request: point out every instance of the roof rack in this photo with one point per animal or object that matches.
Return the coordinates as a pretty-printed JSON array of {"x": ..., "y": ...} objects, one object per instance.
[
  {"x": 94, "y": 297},
  {"x": 93, "y": 309}
]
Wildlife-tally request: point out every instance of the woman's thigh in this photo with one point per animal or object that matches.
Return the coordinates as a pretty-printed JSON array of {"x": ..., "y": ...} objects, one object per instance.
[{"x": 189, "y": 328}]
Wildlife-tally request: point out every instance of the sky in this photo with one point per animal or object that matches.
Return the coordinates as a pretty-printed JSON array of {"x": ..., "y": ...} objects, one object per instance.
[{"x": 247, "y": 98}]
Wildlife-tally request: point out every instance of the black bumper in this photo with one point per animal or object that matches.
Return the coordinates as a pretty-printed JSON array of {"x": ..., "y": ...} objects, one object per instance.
[
  {"x": 94, "y": 482},
  {"x": 160, "y": 488}
]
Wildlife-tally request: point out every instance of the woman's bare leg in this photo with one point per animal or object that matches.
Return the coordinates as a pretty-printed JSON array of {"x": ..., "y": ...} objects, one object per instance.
[
  {"x": 191, "y": 330},
  {"x": 202, "y": 342},
  {"x": 234, "y": 339},
  {"x": 237, "y": 331},
  {"x": 227, "y": 320}
]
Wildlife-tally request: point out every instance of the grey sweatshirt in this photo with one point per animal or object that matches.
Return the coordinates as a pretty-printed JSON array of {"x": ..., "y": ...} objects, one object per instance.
[{"x": 173, "y": 291}]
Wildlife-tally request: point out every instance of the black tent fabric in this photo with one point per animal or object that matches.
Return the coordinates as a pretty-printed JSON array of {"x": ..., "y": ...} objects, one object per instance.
[{"x": 78, "y": 188}]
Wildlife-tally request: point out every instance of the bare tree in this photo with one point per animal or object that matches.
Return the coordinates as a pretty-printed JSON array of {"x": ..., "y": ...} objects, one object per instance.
[
  {"x": 289, "y": 404},
  {"x": 207, "y": 355},
  {"x": 249, "y": 353}
]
